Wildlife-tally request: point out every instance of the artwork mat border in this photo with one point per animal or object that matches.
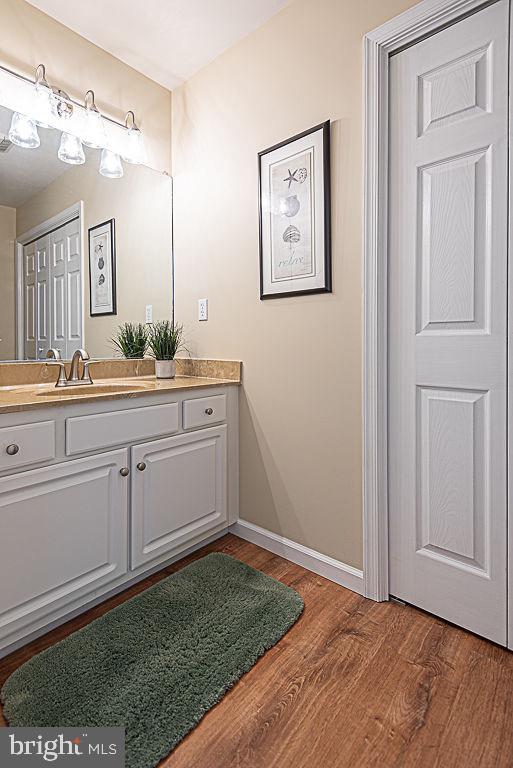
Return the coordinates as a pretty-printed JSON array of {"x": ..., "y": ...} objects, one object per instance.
[{"x": 313, "y": 271}]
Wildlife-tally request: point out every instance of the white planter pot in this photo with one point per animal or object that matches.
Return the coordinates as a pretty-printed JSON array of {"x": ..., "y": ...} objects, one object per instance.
[{"x": 165, "y": 369}]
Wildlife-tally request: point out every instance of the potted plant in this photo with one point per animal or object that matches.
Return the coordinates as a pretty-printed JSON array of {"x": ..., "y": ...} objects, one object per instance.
[
  {"x": 131, "y": 340},
  {"x": 165, "y": 339}
]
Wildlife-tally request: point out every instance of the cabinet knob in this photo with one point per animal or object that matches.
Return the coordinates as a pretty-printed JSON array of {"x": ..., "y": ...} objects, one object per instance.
[
  {"x": 124, "y": 471},
  {"x": 141, "y": 466},
  {"x": 12, "y": 449},
  {"x": 209, "y": 411}
]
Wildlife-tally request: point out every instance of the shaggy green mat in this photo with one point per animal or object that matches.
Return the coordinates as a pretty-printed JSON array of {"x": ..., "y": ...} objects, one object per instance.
[{"x": 156, "y": 663}]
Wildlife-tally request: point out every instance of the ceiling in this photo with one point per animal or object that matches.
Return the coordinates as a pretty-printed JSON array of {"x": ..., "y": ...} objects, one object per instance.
[
  {"x": 167, "y": 40},
  {"x": 24, "y": 172}
]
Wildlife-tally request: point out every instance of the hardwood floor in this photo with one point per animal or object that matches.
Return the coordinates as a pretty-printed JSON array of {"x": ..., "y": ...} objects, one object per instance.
[{"x": 354, "y": 683}]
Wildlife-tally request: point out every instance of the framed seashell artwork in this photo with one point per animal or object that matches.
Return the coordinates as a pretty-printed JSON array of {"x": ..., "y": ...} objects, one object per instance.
[
  {"x": 295, "y": 220},
  {"x": 102, "y": 269}
]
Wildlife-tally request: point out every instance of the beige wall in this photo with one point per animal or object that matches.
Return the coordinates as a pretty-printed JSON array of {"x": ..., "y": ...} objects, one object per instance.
[
  {"x": 7, "y": 290},
  {"x": 141, "y": 204},
  {"x": 301, "y": 403},
  {"x": 30, "y": 37}
]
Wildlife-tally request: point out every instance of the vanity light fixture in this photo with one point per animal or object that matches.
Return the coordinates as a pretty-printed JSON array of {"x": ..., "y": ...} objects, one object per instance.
[
  {"x": 35, "y": 103},
  {"x": 71, "y": 150},
  {"x": 110, "y": 165},
  {"x": 94, "y": 134},
  {"x": 23, "y": 132},
  {"x": 60, "y": 104},
  {"x": 134, "y": 151}
]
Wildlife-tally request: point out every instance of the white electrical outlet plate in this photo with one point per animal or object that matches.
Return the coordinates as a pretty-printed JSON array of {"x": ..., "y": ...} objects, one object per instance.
[
  {"x": 149, "y": 313},
  {"x": 202, "y": 309}
]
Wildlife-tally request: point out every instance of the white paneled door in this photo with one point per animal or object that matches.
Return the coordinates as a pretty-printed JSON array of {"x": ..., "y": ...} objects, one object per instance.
[
  {"x": 448, "y": 224},
  {"x": 29, "y": 302},
  {"x": 53, "y": 292}
]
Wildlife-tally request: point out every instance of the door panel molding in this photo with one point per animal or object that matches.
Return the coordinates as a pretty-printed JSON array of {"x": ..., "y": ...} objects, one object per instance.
[
  {"x": 424, "y": 19},
  {"x": 77, "y": 512},
  {"x": 193, "y": 465}
]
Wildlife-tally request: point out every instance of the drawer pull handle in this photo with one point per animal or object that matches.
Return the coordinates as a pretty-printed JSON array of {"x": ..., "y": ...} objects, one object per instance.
[
  {"x": 141, "y": 466},
  {"x": 124, "y": 471},
  {"x": 12, "y": 449},
  {"x": 209, "y": 411}
]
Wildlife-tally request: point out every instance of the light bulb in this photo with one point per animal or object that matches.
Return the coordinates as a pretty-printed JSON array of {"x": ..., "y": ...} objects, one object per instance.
[
  {"x": 70, "y": 150},
  {"x": 134, "y": 150},
  {"x": 110, "y": 165},
  {"x": 23, "y": 132},
  {"x": 94, "y": 134},
  {"x": 42, "y": 110}
]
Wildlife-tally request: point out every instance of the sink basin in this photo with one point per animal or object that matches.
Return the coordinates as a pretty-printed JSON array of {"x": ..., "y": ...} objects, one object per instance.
[{"x": 92, "y": 389}]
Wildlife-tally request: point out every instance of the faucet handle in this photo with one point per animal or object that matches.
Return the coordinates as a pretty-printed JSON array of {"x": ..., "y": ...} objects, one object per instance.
[
  {"x": 61, "y": 381},
  {"x": 86, "y": 375}
]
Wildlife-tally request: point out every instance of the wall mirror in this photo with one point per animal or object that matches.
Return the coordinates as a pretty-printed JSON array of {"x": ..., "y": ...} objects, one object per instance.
[{"x": 80, "y": 253}]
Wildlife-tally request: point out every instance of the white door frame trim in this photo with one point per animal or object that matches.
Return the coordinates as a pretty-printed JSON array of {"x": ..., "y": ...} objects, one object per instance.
[
  {"x": 54, "y": 222},
  {"x": 423, "y": 19}
]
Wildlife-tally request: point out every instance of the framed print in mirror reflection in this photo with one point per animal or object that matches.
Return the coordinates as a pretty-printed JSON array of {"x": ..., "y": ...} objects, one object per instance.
[{"x": 102, "y": 269}]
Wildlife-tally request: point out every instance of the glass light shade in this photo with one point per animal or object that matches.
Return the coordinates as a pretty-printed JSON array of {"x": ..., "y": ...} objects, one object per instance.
[
  {"x": 110, "y": 165},
  {"x": 134, "y": 150},
  {"x": 23, "y": 132},
  {"x": 71, "y": 150},
  {"x": 93, "y": 132},
  {"x": 41, "y": 106}
]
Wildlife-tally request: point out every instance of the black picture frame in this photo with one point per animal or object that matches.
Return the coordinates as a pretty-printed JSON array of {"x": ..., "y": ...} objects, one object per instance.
[
  {"x": 111, "y": 225},
  {"x": 326, "y": 186}
]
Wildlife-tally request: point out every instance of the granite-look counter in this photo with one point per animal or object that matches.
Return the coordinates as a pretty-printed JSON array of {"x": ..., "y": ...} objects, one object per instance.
[{"x": 26, "y": 386}]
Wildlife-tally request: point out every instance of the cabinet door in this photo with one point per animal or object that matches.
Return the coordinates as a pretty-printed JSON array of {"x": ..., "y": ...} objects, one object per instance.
[
  {"x": 178, "y": 492},
  {"x": 63, "y": 535}
]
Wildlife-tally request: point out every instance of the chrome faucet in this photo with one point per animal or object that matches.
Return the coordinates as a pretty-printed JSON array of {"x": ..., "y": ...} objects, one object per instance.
[{"x": 73, "y": 379}]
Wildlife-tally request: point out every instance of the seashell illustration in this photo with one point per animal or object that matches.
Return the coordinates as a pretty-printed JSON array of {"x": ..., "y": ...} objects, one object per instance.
[
  {"x": 101, "y": 279},
  {"x": 302, "y": 175},
  {"x": 101, "y": 262},
  {"x": 292, "y": 234},
  {"x": 290, "y": 205}
]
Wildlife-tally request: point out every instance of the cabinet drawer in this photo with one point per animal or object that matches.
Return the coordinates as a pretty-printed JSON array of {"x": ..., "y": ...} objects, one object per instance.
[
  {"x": 204, "y": 411},
  {"x": 27, "y": 444},
  {"x": 103, "y": 430}
]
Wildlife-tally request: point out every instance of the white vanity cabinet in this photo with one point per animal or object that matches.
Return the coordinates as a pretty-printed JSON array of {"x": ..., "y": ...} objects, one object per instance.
[{"x": 116, "y": 489}]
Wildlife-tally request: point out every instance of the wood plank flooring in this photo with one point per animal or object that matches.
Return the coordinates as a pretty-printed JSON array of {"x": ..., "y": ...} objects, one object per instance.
[{"x": 354, "y": 683}]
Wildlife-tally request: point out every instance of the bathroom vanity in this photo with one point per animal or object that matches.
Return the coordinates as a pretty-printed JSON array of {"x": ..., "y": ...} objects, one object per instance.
[
  {"x": 99, "y": 488},
  {"x": 100, "y": 483}
]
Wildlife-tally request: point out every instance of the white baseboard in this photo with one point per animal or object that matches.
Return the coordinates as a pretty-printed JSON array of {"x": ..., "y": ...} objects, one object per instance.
[{"x": 334, "y": 570}]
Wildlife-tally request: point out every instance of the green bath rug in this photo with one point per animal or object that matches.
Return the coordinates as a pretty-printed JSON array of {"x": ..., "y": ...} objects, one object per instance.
[{"x": 156, "y": 663}]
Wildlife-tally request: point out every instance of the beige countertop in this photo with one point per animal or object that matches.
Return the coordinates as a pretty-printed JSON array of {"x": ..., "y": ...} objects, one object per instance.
[{"x": 27, "y": 396}]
